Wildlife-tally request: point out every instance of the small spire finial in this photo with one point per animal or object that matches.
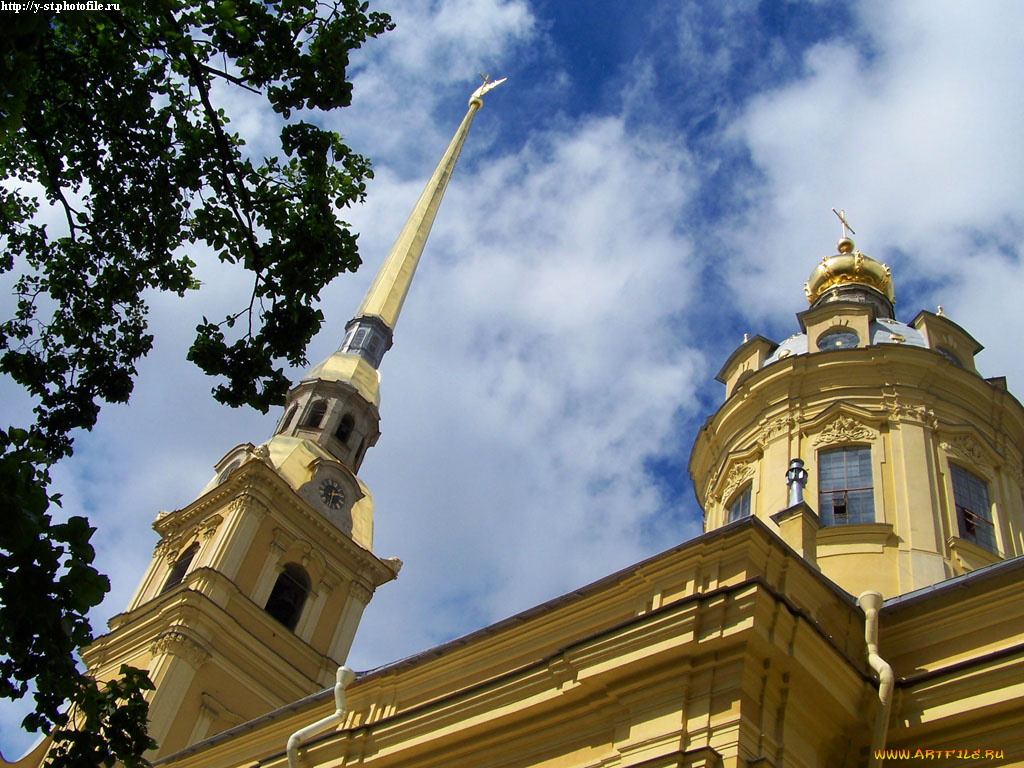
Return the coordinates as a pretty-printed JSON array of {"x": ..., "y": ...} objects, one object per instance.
[
  {"x": 845, "y": 244},
  {"x": 846, "y": 224},
  {"x": 940, "y": 313}
]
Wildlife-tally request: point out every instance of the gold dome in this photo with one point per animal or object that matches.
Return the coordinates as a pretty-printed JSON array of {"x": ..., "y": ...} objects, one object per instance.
[{"x": 848, "y": 267}]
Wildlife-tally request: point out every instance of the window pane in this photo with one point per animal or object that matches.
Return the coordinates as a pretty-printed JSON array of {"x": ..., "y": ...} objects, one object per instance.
[
  {"x": 740, "y": 506},
  {"x": 845, "y": 486},
  {"x": 973, "y": 510}
]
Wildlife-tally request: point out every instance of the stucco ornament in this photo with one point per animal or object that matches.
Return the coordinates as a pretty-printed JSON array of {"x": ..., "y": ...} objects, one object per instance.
[
  {"x": 209, "y": 526},
  {"x": 900, "y": 411},
  {"x": 776, "y": 426},
  {"x": 738, "y": 474},
  {"x": 844, "y": 429},
  {"x": 168, "y": 548},
  {"x": 964, "y": 447},
  {"x": 180, "y": 644}
]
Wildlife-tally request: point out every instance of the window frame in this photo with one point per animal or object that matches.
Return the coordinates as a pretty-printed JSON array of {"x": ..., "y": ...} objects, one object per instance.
[
  {"x": 179, "y": 570},
  {"x": 293, "y": 579},
  {"x": 965, "y": 516},
  {"x": 828, "y": 518},
  {"x": 744, "y": 494},
  {"x": 321, "y": 405}
]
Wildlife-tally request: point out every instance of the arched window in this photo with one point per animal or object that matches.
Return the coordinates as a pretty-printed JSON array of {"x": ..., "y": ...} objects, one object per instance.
[
  {"x": 180, "y": 568},
  {"x": 846, "y": 494},
  {"x": 316, "y": 414},
  {"x": 289, "y": 595},
  {"x": 228, "y": 470},
  {"x": 288, "y": 419},
  {"x": 345, "y": 426}
]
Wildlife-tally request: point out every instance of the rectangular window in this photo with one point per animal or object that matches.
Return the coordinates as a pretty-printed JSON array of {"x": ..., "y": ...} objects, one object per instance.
[
  {"x": 846, "y": 494},
  {"x": 740, "y": 506},
  {"x": 973, "y": 511}
]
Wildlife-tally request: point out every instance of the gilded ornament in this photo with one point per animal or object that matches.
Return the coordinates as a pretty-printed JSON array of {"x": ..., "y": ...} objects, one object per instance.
[{"x": 844, "y": 430}]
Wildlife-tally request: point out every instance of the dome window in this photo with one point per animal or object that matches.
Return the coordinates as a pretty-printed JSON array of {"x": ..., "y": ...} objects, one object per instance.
[
  {"x": 180, "y": 568},
  {"x": 289, "y": 595},
  {"x": 228, "y": 470},
  {"x": 345, "y": 427},
  {"x": 316, "y": 414},
  {"x": 949, "y": 356},
  {"x": 842, "y": 339}
]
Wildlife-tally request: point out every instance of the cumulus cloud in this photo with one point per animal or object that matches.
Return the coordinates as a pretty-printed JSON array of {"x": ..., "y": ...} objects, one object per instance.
[
  {"x": 915, "y": 133},
  {"x": 586, "y": 273},
  {"x": 524, "y": 355}
]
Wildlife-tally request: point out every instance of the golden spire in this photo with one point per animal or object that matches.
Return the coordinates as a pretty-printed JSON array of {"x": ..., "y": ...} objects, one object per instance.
[{"x": 387, "y": 293}]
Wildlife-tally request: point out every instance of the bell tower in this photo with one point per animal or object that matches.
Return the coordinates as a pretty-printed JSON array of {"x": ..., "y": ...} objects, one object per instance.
[{"x": 256, "y": 588}]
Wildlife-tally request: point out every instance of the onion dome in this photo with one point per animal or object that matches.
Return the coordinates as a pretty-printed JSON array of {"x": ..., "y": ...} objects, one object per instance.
[{"x": 850, "y": 275}]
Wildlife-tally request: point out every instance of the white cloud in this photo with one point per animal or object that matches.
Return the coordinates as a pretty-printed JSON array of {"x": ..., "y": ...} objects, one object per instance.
[
  {"x": 918, "y": 141},
  {"x": 525, "y": 368},
  {"x": 537, "y": 368}
]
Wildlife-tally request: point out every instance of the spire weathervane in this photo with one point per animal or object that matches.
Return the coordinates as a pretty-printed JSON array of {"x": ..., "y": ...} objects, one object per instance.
[{"x": 487, "y": 86}]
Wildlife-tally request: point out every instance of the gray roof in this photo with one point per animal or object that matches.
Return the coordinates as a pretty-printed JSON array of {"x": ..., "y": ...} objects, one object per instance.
[{"x": 881, "y": 332}]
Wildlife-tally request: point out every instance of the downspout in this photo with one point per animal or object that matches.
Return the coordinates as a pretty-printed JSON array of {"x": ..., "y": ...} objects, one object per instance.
[
  {"x": 870, "y": 603},
  {"x": 345, "y": 676}
]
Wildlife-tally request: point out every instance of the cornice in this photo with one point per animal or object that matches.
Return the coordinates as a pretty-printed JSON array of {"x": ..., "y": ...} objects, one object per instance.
[{"x": 255, "y": 483}]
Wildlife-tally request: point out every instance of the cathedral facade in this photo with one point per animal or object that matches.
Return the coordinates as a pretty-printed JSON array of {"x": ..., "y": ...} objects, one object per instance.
[{"x": 854, "y": 600}]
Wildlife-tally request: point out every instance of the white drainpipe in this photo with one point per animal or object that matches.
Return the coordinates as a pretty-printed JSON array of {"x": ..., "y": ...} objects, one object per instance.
[
  {"x": 345, "y": 676},
  {"x": 870, "y": 603}
]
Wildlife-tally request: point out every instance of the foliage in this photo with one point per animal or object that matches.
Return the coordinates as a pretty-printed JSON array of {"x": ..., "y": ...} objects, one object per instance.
[{"x": 115, "y": 120}]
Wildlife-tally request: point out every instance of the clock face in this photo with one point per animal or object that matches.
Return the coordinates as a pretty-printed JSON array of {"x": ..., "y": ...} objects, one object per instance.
[
  {"x": 332, "y": 494},
  {"x": 838, "y": 340}
]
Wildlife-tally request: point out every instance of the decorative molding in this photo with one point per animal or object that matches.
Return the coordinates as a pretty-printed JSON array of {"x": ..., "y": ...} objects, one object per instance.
[
  {"x": 218, "y": 709},
  {"x": 1016, "y": 469},
  {"x": 738, "y": 474},
  {"x": 776, "y": 426},
  {"x": 360, "y": 592},
  {"x": 209, "y": 527},
  {"x": 844, "y": 429},
  {"x": 966, "y": 448},
  {"x": 899, "y": 411},
  {"x": 168, "y": 549},
  {"x": 178, "y": 643}
]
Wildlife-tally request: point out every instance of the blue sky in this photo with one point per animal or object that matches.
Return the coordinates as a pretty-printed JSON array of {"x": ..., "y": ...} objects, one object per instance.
[{"x": 654, "y": 180}]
